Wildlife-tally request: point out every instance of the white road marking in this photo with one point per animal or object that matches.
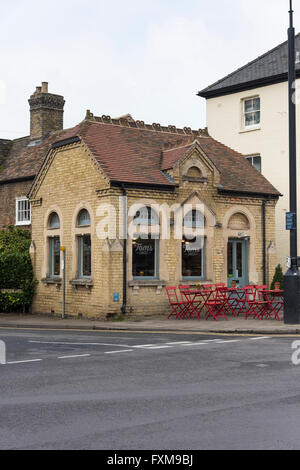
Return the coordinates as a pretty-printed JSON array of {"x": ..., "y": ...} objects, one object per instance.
[
  {"x": 141, "y": 346},
  {"x": 211, "y": 340},
  {"x": 118, "y": 352},
  {"x": 179, "y": 342},
  {"x": 74, "y": 355},
  {"x": 82, "y": 344},
  {"x": 229, "y": 341},
  {"x": 195, "y": 344},
  {"x": 159, "y": 347},
  {"x": 260, "y": 337},
  {"x": 21, "y": 362}
]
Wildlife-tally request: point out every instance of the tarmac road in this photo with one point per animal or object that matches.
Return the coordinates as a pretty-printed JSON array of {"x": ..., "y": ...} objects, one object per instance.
[{"x": 152, "y": 391}]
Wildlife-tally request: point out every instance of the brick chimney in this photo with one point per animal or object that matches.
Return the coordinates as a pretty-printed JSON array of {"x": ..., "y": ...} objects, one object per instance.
[{"x": 46, "y": 112}]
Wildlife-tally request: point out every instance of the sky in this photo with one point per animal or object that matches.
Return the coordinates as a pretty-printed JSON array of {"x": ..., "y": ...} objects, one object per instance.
[{"x": 147, "y": 58}]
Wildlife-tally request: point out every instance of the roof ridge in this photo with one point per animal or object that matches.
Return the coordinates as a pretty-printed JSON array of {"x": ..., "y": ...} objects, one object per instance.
[
  {"x": 137, "y": 124},
  {"x": 246, "y": 65},
  {"x": 171, "y": 149}
]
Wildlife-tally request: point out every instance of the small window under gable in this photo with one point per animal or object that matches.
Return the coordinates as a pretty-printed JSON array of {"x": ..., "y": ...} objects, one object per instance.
[
  {"x": 23, "y": 211},
  {"x": 194, "y": 172}
]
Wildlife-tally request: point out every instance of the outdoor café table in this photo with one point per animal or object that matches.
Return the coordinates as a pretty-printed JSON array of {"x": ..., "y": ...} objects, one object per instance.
[
  {"x": 275, "y": 303},
  {"x": 196, "y": 300}
]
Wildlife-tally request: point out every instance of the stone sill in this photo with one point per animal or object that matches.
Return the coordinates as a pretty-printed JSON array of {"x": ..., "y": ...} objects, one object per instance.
[
  {"x": 191, "y": 179},
  {"x": 147, "y": 283},
  {"x": 136, "y": 284},
  {"x": 251, "y": 129},
  {"x": 52, "y": 281},
  {"x": 189, "y": 282},
  {"x": 87, "y": 283}
]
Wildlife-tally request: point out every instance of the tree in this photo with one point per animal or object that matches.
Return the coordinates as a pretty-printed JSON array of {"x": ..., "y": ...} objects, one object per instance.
[{"x": 278, "y": 277}]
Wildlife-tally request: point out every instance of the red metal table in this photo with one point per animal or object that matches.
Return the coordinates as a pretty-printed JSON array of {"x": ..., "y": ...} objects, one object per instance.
[{"x": 196, "y": 300}]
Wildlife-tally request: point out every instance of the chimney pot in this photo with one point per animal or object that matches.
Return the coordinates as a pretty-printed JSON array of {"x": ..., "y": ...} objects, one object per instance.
[{"x": 44, "y": 87}]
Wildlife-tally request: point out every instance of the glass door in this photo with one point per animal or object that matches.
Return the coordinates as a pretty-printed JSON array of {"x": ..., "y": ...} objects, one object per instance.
[{"x": 237, "y": 262}]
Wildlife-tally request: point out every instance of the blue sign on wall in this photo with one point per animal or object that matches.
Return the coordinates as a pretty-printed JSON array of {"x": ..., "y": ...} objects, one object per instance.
[
  {"x": 290, "y": 221},
  {"x": 116, "y": 297}
]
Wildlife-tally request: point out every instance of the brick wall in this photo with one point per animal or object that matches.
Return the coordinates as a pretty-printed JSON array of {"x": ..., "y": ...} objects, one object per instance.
[{"x": 8, "y": 194}]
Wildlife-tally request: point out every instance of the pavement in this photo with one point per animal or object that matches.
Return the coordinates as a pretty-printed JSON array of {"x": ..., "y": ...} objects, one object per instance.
[{"x": 158, "y": 323}]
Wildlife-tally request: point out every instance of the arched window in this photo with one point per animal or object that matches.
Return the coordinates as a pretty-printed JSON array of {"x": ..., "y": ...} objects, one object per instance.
[
  {"x": 84, "y": 245},
  {"x": 194, "y": 219},
  {"x": 83, "y": 219},
  {"x": 193, "y": 246},
  {"x": 145, "y": 246},
  {"x": 146, "y": 216},
  {"x": 54, "y": 246},
  {"x": 54, "y": 221}
]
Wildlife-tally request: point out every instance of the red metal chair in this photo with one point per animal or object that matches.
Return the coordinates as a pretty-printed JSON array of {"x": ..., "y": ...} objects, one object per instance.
[
  {"x": 259, "y": 288},
  {"x": 214, "y": 306},
  {"x": 275, "y": 303},
  {"x": 222, "y": 293},
  {"x": 184, "y": 300},
  {"x": 258, "y": 306},
  {"x": 178, "y": 307},
  {"x": 246, "y": 303},
  {"x": 221, "y": 284}
]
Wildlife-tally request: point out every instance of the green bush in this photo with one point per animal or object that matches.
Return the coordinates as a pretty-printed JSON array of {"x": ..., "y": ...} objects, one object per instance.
[
  {"x": 16, "y": 273},
  {"x": 14, "y": 239},
  {"x": 278, "y": 277}
]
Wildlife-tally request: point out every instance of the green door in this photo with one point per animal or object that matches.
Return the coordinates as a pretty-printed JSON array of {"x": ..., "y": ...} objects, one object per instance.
[{"x": 237, "y": 262}]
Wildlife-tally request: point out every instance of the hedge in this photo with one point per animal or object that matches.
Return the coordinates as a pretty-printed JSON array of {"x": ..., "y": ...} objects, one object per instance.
[{"x": 16, "y": 273}]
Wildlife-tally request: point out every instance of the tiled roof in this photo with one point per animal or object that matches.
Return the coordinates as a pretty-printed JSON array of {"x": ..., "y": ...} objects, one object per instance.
[
  {"x": 130, "y": 151},
  {"x": 271, "y": 66},
  {"x": 132, "y": 154},
  {"x": 25, "y": 158}
]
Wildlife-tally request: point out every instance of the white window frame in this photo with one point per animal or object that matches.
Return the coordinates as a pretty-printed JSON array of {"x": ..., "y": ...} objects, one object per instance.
[
  {"x": 250, "y": 160},
  {"x": 20, "y": 201},
  {"x": 244, "y": 125}
]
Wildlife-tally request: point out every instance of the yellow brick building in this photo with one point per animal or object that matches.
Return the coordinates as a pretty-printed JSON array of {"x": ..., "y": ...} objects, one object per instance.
[{"x": 107, "y": 174}]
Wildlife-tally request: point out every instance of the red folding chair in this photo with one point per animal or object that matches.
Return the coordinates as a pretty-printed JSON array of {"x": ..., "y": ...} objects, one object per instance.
[
  {"x": 275, "y": 303},
  {"x": 214, "y": 306},
  {"x": 178, "y": 307},
  {"x": 221, "y": 284},
  {"x": 223, "y": 293},
  {"x": 259, "y": 288},
  {"x": 246, "y": 303},
  {"x": 258, "y": 307},
  {"x": 238, "y": 300},
  {"x": 185, "y": 301}
]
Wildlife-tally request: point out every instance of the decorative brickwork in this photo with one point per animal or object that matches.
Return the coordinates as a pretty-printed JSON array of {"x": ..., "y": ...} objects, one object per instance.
[{"x": 46, "y": 112}]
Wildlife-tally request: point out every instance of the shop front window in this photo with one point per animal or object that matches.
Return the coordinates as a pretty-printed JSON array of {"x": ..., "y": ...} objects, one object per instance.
[{"x": 193, "y": 255}]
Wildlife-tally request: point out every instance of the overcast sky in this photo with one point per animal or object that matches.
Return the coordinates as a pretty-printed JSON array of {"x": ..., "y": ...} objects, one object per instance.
[{"x": 147, "y": 58}]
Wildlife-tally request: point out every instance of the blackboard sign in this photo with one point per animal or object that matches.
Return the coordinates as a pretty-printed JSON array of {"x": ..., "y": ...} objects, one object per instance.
[{"x": 290, "y": 221}]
